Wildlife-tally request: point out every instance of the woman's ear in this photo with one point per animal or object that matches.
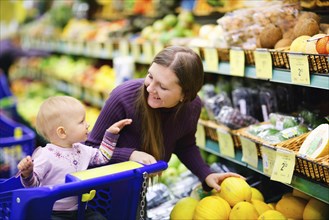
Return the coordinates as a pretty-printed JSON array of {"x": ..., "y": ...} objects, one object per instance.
[{"x": 61, "y": 133}]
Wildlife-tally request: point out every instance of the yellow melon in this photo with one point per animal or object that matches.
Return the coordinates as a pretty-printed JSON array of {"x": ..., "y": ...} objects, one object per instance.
[
  {"x": 260, "y": 206},
  {"x": 243, "y": 210},
  {"x": 256, "y": 194},
  {"x": 272, "y": 215},
  {"x": 272, "y": 205},
  {"x": 234, "y": 190},
  {"x": 316, "y": 143},
  {"x": 211, "y": 207},
  {"x": 291, "y": 206},
  {"x": 184, "y": 209},
  {"x": 299, "y": 44},
  {"x": 300, "y": 194},
  {"x": 315, "y": 209}
]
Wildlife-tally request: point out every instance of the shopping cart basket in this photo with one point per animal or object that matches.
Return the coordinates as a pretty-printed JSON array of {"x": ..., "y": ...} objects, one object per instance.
[
  {"x": 119, "y": 190},
  {"x": 16, "y": 142}
]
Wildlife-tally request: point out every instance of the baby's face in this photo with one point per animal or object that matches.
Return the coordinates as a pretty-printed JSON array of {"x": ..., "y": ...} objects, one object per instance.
[{"x": 76, "y": 127}]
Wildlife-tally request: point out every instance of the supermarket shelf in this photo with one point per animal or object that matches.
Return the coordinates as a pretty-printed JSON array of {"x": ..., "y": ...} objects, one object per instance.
[
  {"x": 279, "y": 76},
  {"x": 311, "y": 188}
]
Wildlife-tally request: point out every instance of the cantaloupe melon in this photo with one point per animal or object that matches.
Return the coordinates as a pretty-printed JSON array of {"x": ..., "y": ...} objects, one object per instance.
[
  {"x": 243, "y": 210},
  {"x": 272, "y": 215},
  {"x": 316, "y": 143},
  {"x": 315, "y": 209},
  {"x": 184, "y": 209},
  {"x": 256, "y": 194},
  {"x": 291, "y": 207},
  {"x": 212, "y": 207},
  {"x": 234, "y": 190},
  {"x": 260, "y": 206}
]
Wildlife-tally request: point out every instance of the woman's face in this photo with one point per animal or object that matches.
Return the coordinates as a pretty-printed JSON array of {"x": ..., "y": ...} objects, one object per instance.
[{"x": 162, "y": 86}]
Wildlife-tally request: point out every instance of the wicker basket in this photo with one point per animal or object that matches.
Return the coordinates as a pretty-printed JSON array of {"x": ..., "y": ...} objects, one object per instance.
[
  {"x": 318, "y": 63},
  {"x": 243, "y": 132},
  {"x": 211, "y": 131},
  {"x": 249, "y": 56},
  {"x": 314, "y": 169},
  {"x": 223, "y": 54}
]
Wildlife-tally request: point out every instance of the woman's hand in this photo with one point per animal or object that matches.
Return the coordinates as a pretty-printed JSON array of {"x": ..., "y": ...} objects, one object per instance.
[
  {"x": 25, "y": 166},
  {"x": 215, "y": 179},
  {"x": 142, "y": 157}
]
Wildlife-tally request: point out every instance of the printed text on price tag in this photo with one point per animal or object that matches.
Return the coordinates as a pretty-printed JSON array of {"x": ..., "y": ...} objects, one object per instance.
[
  {"x": 249, "y": 152},
  {"x": 200, "y": 136},
  {"x": 226, "y": 144},
  {"x": 300, "y": 72},
  {"x": 263, "y": 63},
  {"x": 284, "y": 166},
  {"x": 237, "y": 62},
  {"x": 268, "y": 158}
]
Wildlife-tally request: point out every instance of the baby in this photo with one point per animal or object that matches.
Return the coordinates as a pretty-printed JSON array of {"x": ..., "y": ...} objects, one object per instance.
[{"x": 61, "y": 120}]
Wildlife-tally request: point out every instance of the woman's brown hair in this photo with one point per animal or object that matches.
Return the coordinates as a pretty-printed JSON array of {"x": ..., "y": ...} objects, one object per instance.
[{"x": 187, "y": 65}]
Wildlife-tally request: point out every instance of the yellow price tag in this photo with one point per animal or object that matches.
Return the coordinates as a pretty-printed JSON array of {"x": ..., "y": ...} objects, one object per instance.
[
  {"x": 109, "y": 48},
  {"x": 196, "y": 50},
  {"x": 226, "y": 144},
  {"x": 211, "y": 59},
  {"x": 284, "y": 165},
  {"x": 124, "y": 48},
  {"x": 237, "y": 62},
  {"x": 158, "y": 47},
  {"x": 135, "y": 50},
  {"x": 268, "y": 159},
  {"x": 300, "y": 72},
  {"x": 263, "y": 64},
  {"x": 249, "y": 152},
  {"x": 148, "y": 52},
  {"x": 200, "y": 136}
]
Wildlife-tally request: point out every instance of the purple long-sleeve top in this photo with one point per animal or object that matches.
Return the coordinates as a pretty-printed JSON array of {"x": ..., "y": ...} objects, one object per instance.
[{"x": 178, "y": 130}]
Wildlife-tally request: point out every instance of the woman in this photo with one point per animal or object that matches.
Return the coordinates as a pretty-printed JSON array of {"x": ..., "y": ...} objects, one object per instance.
[{"x": 164, "y": 108}]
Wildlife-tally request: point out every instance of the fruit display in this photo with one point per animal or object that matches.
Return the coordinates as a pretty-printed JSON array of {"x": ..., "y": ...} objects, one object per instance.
[
  {"x": 236, "y": 202},
  {"x": 168, "y": 28},
  {"x": 316, "y": 143}
]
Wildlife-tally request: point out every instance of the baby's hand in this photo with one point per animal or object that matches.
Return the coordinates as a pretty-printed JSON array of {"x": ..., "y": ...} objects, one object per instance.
[
  {"x": 116, "y": 127},
  {"x": 25, "y": 166}
]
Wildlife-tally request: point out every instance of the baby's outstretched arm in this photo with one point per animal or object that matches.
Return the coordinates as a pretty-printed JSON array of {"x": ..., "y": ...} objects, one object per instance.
[
  {"x": 25, "y": 166},
  {"x": 116, "y": 127}
]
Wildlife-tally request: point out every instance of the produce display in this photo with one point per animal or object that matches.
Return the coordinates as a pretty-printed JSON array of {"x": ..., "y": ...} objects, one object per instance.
[{"x": 235, "y": 201}]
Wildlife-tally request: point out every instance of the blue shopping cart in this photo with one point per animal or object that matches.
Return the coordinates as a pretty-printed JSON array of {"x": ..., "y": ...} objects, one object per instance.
[
  {"x": 116, "y": 191},
  {"x": 16, "y": 142}
]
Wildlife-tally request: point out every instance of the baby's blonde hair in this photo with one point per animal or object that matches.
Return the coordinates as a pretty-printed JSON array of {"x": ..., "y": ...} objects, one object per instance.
[{"x": 52, "y": 113}]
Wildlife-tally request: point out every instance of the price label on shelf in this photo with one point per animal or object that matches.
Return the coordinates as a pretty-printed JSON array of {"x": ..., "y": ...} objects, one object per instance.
[
  {"x": 263, "y": 64},
  {"x": 249, "y": 152},
  {"x": 268, "y": 159},
  {"x": 148, "y": 52},
  {"x": 211, "y": 59},
  {"x": 237, "y": 62},
  {"x": 200, "y": 136},
  {"x": 124, "y": 48},
  {"x": 284, "y": 165},
  {"x": 299, "y": 68},
  {"x": 226, "y": 144},
  {"x": 196, "y": 50}
]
